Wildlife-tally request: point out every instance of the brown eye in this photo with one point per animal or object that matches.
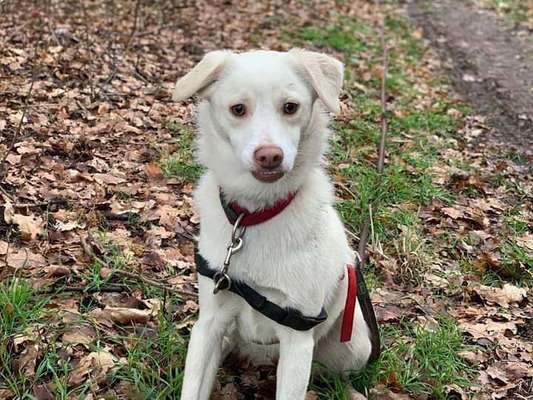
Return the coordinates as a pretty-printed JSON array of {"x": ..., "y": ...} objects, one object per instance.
[
  {"x": 238, "y": 110},
  {"x": 290, "y": 108}
]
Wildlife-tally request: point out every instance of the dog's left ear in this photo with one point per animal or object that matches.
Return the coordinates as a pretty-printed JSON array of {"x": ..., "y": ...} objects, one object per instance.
[
  {"x": 201, "y": 76},
  {"x": 324, "y": 73}
]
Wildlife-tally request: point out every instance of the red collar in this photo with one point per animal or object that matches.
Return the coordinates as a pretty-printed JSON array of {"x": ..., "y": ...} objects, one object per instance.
[{"x": 233, "y": 210}]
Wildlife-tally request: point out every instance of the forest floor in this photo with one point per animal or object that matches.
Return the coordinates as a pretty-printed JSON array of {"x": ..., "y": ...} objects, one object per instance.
[{"x": 97, "y": 225}]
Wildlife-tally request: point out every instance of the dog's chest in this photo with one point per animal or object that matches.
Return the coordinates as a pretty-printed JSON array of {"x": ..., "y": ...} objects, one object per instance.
[{"x": 290, "y": 265}]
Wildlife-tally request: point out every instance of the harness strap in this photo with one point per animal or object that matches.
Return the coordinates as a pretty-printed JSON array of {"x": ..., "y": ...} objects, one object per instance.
[
  {"x": 349, "y": 307},
  {"x": 286, "y": 316}
]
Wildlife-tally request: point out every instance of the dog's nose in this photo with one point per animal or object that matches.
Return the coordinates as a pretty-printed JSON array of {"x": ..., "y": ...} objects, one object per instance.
[{"x": 268, "y": 157}]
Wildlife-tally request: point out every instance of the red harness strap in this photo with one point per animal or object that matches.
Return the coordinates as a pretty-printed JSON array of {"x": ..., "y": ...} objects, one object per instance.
[
  {"x": 349, "y": 307},
  {"x": 257, "y": 217}
]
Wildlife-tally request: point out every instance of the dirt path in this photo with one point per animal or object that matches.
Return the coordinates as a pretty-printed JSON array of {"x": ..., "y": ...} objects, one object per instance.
[{"x": 492, "y": 68}]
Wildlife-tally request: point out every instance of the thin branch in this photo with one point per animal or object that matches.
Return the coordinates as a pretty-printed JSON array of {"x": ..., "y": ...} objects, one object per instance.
[
  {"x": 134, "y": 28},
  {"x": 381, "y": 155},
  {"x": 86, "y": 290},
  {"x": 381, "y": 159}
]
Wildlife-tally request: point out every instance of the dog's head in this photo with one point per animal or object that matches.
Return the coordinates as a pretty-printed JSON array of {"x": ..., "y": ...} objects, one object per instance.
[{"x": 258, "y": 108}]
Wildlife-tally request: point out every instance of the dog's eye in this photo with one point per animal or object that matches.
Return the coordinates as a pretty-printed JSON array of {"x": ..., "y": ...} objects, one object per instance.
[
  {"x": 290, "y": 108},
  {"x": 238, "y": 110}
]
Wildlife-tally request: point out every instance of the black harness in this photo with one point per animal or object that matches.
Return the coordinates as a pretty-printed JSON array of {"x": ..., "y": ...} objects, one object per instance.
[{"x": 288, "y": 316}]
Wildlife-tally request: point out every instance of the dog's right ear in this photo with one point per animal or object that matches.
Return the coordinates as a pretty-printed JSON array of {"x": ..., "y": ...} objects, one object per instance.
[{"x": 201, "y": 76}]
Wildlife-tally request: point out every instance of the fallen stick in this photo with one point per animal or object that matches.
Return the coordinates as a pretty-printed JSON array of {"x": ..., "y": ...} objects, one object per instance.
[{"x": 381, "y": 153}]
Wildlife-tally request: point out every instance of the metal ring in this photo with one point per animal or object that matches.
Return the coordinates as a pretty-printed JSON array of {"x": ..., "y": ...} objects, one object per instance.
[
  {"x": 235, "y": 233},
  {"x": 236, "y": 245}
]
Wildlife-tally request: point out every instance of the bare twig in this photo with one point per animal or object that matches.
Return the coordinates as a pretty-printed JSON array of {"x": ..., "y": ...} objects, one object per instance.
[
  {"x": 86, "y": 290},
  {"x": 137, "y": 276},
  {"x": 346, "y": 189},
  {"x": 381, "y": 156},
  {"x": 134, "y": 28}
]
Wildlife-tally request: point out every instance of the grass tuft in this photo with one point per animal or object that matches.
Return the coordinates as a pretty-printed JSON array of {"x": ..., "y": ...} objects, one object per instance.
[
  {"x": 181, "y": 164},
  {"x": 419, "y": 360}
]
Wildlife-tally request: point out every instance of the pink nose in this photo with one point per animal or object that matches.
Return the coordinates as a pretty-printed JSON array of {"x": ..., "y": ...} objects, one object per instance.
[{"x": 268, "y": 157}]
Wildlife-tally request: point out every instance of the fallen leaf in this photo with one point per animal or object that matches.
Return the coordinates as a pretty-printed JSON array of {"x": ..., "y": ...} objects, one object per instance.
[
  {"x": 41, "y": 392},
  {"x": 526, "y": 241},
  {"x": 452, "y": 212},
  {"x": 504, "y": 296},
  {"x": 67, "y": 226},
  {"x": 3, "y": 247},
  {"x": 108, "y": 179},
  {"x": 79, "y": 335},
  {"x": 30, "y": 226},
  {"x": 28, "y": 360},
  {"x": 24, "y": 258},
  {"x": 388, "y": 313},
  {"x": 153, "y": 171},
  {"x": 56, "y": 271},
  {"x": 311, "y": 395},
  {"x": 97, "y": 364},
  {"x": 125, "y": 316}
]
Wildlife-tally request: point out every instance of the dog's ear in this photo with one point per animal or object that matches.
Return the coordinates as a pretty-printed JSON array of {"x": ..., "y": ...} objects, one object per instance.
[
  {"x": 201, "y": 76},
  {"x": 324, "y": 73}
]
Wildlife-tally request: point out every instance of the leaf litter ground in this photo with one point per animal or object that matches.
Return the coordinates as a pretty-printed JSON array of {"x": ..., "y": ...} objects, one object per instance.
[{"x": 97, "y": 222}]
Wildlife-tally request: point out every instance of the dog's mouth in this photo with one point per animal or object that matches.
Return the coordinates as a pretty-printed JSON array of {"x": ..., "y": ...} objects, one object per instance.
[{"x": 268, "y": 176}]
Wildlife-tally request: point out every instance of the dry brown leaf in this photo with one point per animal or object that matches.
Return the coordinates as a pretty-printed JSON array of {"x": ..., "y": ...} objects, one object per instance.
[
  {"x": 24, "y": 258},
  {"x": 452, "y": 212},
  {"x": 30, "y": 226},
  {"x": 388, "y": 313},
  {"x": 311, "y": 395},
  {"x": 504, "y": 296},
  {"x": 3, "y": 247},
  {"x": 28, "y": 359},
  {"x": 124, "y": 316},
  {"x": 490, "y": 329},
  {"x": 96, "y": 364},
  {"x": 474, "y": 357},
  {"x": 79, "y": 335},
  {"x": 108, "y": 179},
  {"x": 41, "y": 392},
  {"x": 65, "y": 226},
  {"x": 153, "y": 171},
  {"x": 56, "y": 271},
  {"x": 526, "y": 241},
  {"x": 510, "y": 371}
]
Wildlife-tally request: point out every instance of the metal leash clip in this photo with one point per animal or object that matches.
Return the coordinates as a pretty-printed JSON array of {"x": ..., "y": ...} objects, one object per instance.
[{"x": 221, "y": 278}]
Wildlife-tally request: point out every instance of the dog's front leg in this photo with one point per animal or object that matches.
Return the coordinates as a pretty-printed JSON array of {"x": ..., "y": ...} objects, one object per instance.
[
  {"x": 294, "y": 367},
  {"x": 205, "y": 347}
]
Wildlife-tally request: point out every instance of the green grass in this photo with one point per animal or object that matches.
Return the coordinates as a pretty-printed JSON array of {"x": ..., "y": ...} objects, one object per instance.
[
  {"x": 419, "y": 360},
  {"x": 155, "y": 361},
  {"x": 515, "y": 11},
  {"x": 19, "y": 307},
  {"x": 181, "y": 164}
]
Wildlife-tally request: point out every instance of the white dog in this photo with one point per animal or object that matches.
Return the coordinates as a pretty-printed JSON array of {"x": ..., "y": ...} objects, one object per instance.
[{"x": 286, "y": 292}]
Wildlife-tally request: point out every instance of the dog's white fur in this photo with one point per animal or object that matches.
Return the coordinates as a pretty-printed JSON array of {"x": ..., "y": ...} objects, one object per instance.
[{"x": 296, "y": 259}]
